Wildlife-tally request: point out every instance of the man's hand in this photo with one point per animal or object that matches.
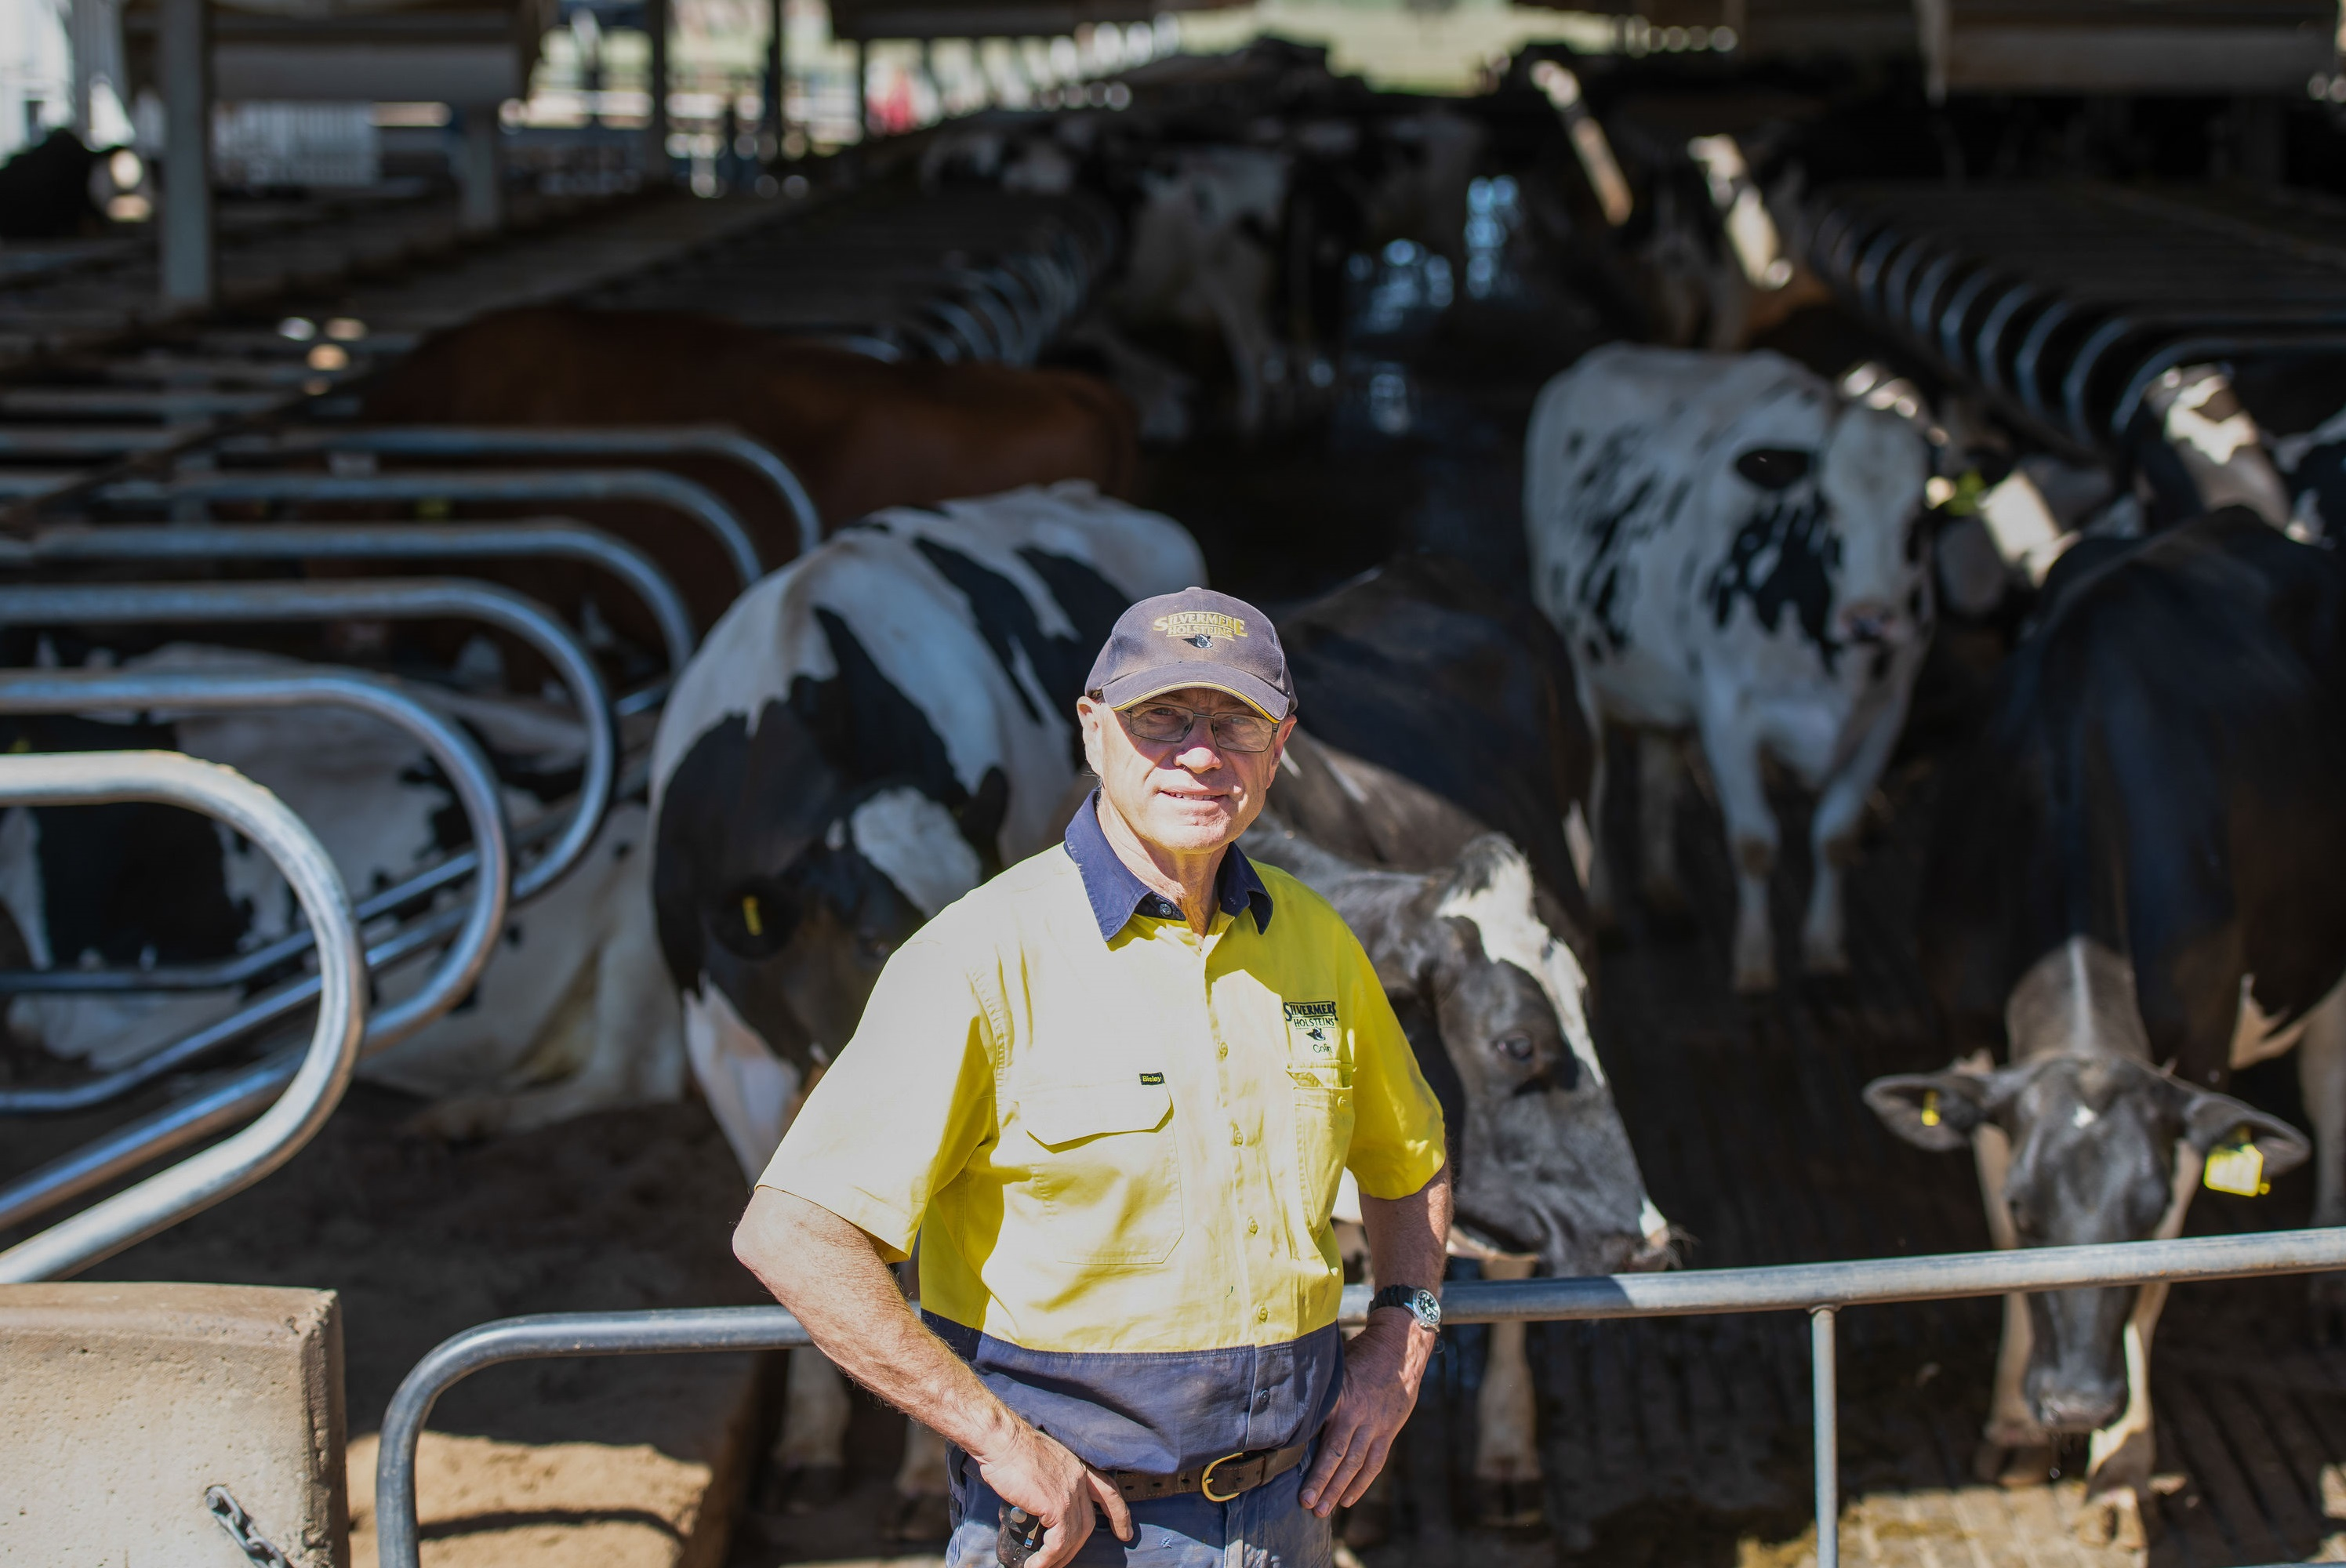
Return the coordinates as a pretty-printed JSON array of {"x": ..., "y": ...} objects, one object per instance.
[
  {"x": 1036, "y": 1472},
  {"x": 1383, "y": 1364}
]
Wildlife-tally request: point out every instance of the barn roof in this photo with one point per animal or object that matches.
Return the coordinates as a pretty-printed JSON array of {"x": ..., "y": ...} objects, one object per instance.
[{"x": 996, "y": 18}]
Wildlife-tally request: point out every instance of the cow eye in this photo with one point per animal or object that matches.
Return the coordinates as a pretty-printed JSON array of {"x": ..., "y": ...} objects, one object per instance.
[
  {"x": 1514, "y": 1047},
  {"x": 1773, "y": 467}
]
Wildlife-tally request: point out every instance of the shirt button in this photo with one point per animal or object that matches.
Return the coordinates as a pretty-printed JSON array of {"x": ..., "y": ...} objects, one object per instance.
[
  {"x": 1262, "y": 1314},
  {"x": 1223, "y": 1052},
  {"x": 1236, "y": 1136},
  {"x": 1252, "y": 1228}
]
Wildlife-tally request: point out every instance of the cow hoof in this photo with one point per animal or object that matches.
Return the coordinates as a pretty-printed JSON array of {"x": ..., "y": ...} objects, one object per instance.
[
  {"x": 2013, "y": 1465},
  {"x": 924, "y": 1517},
  {"x": 2121, "y": 1517},
  {"x": 1367, "y": 1524},
  {"x": 804, "y": 1488},
  {"x": 1755, "y": 979},
  {"x": 1518, "y": 1506},
  {"x": 1819, "y": 959}
]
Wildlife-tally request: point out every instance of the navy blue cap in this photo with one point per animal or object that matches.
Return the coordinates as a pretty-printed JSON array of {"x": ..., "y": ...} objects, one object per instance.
[{"x": 1194, "y": 638}]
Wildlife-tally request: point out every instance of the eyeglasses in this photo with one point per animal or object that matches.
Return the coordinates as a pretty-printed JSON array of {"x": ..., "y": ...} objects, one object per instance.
[{"x": 1162, "y": 721}]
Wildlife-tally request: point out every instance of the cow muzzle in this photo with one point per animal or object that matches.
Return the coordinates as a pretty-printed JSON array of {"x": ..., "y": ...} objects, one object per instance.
[{"x": 1873, "y": 624}]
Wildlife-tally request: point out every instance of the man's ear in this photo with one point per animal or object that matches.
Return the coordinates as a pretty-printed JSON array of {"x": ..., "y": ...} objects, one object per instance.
[
  {"x": 2210, "y": 1119},
  {"x": 1088, "y": 715},
  {"x": 1934, "y": 1111}
]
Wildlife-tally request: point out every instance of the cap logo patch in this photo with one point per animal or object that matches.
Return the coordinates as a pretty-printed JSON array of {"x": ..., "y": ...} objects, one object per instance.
[{"x": 1199, "y": 628}]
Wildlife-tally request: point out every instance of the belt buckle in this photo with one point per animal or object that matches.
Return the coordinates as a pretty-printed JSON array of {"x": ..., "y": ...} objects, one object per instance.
[{"x": 1206, "y": 1480}]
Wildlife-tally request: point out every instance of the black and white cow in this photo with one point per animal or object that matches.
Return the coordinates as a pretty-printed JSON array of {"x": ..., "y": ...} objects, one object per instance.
[
  {"x": 573, "y": 1013},
  {"x": 2270, "y": 435},
  {"x": 1463, "y": 700},
  {"x": 867, "y": 734},
  {"x": 1733, "y": 549},
  {"x": 2132, "y": 892}
]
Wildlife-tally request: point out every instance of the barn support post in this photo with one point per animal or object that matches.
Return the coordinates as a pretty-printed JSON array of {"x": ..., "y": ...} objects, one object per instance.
[
  {"x": 481, "y": 176},
  {"x": 184, "y": 62},
  {"x": 778, "y": 66},
  {"x": 1827, "y": 1400},
  {"x": 656, "y": 163},
  {"x": 863, "y": 88}
]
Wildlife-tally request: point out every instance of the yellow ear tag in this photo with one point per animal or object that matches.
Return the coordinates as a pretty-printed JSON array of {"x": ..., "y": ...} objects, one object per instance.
[
  {"x": 750, "y": 915},
  {"x": 1930, "y": 1107},
  {"x": 2237, "y": 1167}
]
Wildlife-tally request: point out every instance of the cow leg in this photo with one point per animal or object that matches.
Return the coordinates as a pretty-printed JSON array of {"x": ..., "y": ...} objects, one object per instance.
[
  {"x": 1508, "y": 1492},
  {"x": 1599, "y": 876},
  {"x": 1751, "y": 837},
  {"x": 1832, "y": 841},
  {"x": 810, "y": 1457},
  {"x": 2322, "y": 1075},
  {"x": 1659, "y": 769},
  {"x": 2014, "y": 1449},
  {"x": 2120, "y": 1509}
]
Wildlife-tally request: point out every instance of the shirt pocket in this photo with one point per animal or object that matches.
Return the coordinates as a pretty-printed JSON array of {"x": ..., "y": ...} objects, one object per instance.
[
  {"x": 1323, "y": 1138},
  {"x": 1107, "y": 1172}
]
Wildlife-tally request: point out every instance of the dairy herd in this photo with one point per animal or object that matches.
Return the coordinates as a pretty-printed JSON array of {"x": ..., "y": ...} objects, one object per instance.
[{"x": 1736, "y": 572}]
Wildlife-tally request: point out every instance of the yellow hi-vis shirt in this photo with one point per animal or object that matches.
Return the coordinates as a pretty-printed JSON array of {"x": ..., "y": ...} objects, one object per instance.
[{"x": 1120, "y": 1142}]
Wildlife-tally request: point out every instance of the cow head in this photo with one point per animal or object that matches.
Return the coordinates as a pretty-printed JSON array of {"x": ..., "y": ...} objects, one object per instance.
[
  {"x": 1542, "y": 1163},
  {"x": 786, "y": 889},
  {"x": 1833, "y": 500},
  {"x": 2092, "y": 1144}
]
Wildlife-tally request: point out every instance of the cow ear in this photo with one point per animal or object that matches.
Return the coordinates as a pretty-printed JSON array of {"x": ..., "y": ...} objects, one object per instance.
[
  {"x": 1773, "y": 467},
  {"x": 1934, "y": 1111},
  {"x": 2210, "y": 1120}
]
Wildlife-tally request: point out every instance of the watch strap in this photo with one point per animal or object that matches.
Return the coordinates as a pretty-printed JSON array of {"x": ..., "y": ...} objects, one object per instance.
[{"x": 1404, "y": 1297}]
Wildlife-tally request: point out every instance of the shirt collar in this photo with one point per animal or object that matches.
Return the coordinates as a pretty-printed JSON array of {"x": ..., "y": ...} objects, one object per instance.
[{"x": 1116, "y": 895}]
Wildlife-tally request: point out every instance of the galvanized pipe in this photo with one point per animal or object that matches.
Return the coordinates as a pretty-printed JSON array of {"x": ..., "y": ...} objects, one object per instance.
[
  {"x": 653, "y": 486},
  {"x": 384, "y": 598},
  {"x": 1818, "y": 1288},
  {"x": 469, "y": 776},
  {"x": 558, "y": 537},
  {"x": 521, "y": 441},
  {"x": 227, "y": 1168},
  {"x": 1825, "y": 1403}
]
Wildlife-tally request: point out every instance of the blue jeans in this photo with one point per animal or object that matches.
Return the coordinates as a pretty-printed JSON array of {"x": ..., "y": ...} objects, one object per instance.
[{"x": 1265, "y": 1528}]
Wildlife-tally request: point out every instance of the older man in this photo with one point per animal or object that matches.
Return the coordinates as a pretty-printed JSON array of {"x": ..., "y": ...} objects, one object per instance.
[{"x": 1113, "y": 1091}]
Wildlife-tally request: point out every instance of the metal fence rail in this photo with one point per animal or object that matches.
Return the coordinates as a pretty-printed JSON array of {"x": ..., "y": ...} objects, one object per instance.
[
  {"x": 540, "y": 537},
  {"x": 654, "y": 487},
  {"x": 477, "y": 923},
  {"x": 1821, "y": 1289},
  {"x": 325, "y": 1069}
]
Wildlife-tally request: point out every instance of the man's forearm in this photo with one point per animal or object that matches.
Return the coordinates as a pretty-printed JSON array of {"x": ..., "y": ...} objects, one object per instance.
[
  {"x": 1408, "y": 1236},
  {"x": 828, "y": 1274}
]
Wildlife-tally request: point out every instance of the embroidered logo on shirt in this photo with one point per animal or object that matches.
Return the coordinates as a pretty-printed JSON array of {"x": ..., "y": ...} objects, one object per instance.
[
  {"x": 1311, "y": 1028},
  {"x": 1151, "y": 1080},
  {"x": 1199, "y": 628}
]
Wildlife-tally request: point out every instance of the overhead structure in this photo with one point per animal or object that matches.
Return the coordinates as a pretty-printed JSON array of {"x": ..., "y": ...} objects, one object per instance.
[
  {"x": 2249, "y": 46},
  {"x": 1862, "y": 29},
  {"x": 866, "y": 20}
]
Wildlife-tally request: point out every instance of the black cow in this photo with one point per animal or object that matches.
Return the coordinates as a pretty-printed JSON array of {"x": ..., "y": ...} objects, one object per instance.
[{"x": 2134, "y": 890}]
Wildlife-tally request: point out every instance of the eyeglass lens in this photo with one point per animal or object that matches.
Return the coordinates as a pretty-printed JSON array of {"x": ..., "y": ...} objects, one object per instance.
[{"x": 1236, "y": 731}]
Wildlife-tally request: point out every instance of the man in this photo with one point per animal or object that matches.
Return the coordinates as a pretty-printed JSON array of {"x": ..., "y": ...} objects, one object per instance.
[{"x": 1112, "y": 1091}]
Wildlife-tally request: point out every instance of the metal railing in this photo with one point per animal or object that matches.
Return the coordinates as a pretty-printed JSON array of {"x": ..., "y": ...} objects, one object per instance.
[
  {"x": 551, "y": 440},
  {"x": 1821, "y": 1289},
  {"x": 654, "y": 487},
  {"x": 557, "y": 537},
  {"x": 476, "y": 924},
  {"x": 323, "y": 1071}
]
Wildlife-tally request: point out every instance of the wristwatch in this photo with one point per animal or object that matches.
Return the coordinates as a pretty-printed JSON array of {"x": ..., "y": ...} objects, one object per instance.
[{"x": 1420, "y": 1304}]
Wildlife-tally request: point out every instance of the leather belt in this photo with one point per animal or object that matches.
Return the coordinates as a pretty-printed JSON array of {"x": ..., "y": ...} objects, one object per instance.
[{"x": 1233, "y": 1475}]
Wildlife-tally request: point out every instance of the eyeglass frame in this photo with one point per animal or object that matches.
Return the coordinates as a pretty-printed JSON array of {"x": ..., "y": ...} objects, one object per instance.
[{"x": 1195, "y": 715}]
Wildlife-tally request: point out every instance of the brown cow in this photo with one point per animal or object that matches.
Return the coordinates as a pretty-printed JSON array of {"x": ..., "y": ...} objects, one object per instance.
[{"x": 860, "y": 434}]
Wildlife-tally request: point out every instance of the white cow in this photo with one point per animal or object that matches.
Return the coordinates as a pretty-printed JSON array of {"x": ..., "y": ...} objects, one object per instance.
[
  {"x": 865, "y": 735},
  {"x": 1734, "y": 551}
]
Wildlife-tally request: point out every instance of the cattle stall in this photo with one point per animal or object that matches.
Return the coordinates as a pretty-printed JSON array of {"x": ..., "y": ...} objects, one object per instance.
[{"x": 1371, "y": 398}]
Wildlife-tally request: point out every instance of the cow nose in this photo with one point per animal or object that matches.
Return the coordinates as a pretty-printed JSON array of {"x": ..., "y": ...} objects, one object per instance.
[
  {"x": 1871, "y": 623},
  {"x": 2079, "y": 1410}
]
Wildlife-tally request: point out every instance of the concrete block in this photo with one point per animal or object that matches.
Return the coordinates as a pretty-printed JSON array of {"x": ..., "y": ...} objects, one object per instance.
[{"x": 121, "y": 1404}]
